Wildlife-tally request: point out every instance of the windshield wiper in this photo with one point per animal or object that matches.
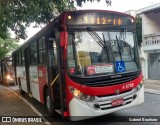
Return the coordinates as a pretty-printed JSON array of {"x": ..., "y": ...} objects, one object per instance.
[
  {"x": 98, "y": 39},
  {"x": 119, "y": 49},
  {"x": 95, "y": 36}
]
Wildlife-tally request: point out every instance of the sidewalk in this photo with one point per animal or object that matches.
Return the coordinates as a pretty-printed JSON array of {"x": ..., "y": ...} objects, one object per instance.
[
  {"x": 14, "y": 107},
  {"x": 152, "y": 86}
]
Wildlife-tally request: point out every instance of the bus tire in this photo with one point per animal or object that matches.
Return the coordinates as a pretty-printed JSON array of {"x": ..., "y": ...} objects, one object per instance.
[
  {"x": 20, "y": 88},
  {"x": 48, "y": 104}
]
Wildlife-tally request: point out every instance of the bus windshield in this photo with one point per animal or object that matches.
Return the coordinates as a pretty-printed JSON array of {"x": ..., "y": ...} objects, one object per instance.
[{"x": 101, "y": 53}]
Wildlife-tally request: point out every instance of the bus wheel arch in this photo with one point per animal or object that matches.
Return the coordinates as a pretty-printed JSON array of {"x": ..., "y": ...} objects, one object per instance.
[{"x": 45, "y": 87}]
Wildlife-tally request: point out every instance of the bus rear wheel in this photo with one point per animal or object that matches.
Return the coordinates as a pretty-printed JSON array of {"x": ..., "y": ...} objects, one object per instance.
[{"x": 48, "y": 104}]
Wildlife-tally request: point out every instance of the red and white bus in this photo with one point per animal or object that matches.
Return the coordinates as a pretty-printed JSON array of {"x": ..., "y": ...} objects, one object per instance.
[
  {"x": 6, "y": 70},
  {"x": 84, "y": 63}
]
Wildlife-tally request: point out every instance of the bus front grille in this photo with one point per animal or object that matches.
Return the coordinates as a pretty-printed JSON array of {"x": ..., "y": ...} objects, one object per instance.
[{"x": 110, "y": 82}]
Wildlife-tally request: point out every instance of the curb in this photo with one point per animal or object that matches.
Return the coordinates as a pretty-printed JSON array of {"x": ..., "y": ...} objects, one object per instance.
[
  {"x": 152, "y": 91},
  {"x": 12, "y": 89}
]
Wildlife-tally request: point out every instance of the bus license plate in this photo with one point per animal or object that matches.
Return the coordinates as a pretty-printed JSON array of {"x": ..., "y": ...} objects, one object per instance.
[{"x": 117, "y": 102}]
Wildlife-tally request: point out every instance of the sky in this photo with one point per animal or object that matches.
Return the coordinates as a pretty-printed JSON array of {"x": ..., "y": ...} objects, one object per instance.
[
  {"x": 120, "y": 5},
  {"x": 117, "y": 5}
]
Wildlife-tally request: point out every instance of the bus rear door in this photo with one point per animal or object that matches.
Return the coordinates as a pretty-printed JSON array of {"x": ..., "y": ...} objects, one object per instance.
[{"x": 26, "y": 58}]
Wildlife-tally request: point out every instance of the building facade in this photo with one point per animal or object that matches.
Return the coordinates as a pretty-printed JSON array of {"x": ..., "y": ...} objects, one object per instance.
[{"x": 150, "y": 49}]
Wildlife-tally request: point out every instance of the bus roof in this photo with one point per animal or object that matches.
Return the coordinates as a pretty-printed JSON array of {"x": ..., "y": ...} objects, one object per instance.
[{"x": 108, "y": 11}]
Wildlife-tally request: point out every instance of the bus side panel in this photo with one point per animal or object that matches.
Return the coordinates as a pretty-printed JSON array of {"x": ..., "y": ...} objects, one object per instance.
[
  {"x": 22, "y": 75},
  {"x": 42, "y": 80},
  {"x": 13, "y": 76},
  {"x": 34, "y": 86}
]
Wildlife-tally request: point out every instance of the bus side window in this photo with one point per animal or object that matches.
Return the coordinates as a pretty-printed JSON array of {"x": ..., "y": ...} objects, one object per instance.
[
  {"x": 42, "y": 50},
  {"x": 52, "y": 52},
  {"x": 22, "y": 57},
  {"x": 55, "y": 53},
  {"x": 34, "y": 58}
]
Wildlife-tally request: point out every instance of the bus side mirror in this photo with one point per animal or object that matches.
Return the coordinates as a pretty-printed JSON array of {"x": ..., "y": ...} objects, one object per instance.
[{"x": 63, "y": 38}]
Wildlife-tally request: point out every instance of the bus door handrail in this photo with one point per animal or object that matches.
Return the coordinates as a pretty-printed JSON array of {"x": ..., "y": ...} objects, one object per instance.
[{"x": 54, "y": 80}]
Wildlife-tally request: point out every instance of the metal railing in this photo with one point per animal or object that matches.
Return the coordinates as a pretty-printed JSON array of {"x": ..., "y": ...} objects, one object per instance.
[{"x": 151, "y": 39}]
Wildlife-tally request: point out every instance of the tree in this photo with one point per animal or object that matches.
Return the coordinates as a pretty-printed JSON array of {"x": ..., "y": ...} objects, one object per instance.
[
  {"x": 7, "y": 45},
  {"x": 139, "y": 29},
  {"x": 18, "y": 14},
  {"x": 79, "y": 2}
]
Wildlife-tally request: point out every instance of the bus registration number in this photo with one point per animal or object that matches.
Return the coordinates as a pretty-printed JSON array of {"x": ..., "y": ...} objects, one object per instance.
[
  {"x": 117, "y": 102},
  {"x": 128, "y": 86}
]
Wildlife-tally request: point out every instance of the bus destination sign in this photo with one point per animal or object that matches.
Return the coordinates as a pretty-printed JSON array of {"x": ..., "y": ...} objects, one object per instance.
[{"x": 98, "y": 19}]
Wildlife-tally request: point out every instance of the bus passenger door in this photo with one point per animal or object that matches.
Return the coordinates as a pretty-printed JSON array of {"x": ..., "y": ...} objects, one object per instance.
[
  {"x": 26, "y": 59},
  {"x": 56, "y": 77},
  {"x": 54, "y": 73},
  {"x": 61, "y": 41}
]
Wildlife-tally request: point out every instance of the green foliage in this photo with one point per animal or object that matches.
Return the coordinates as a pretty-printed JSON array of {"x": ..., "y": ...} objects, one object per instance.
[
  {"x": 18, "y": 14},
  {"x": 139, "y": 29},
  {"x": 79, "y": 2},
  {"x": 7, "y": 45}
]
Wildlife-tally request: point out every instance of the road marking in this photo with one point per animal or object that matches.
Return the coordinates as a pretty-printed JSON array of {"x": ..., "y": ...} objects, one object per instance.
[{"x": 34, "y": 109}]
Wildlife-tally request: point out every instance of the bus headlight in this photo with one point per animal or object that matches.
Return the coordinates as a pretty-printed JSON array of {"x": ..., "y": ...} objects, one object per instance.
[
  {"x": 138, "y": 87},
  {"x": 78, "y": 94},
  {"x": 8, "y": 76}
]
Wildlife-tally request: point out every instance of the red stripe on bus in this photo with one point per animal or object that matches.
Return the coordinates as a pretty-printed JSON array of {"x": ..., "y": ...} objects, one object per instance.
[
  {"x": 95, "y": 91},
  {"x": 42, "y": 80}
]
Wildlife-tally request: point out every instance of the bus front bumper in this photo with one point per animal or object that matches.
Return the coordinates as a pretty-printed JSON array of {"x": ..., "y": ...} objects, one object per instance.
[{"x": 80, "y": 110}]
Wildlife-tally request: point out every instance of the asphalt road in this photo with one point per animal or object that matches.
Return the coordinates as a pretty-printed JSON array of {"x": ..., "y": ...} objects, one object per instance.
[
  {"x": 151, "y": 107},
  {"x": 15, "y": 106}
]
